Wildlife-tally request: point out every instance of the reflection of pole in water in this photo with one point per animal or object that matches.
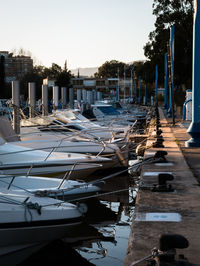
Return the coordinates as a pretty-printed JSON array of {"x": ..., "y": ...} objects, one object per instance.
[
  {"x": 120, "y": 210},
  {"x": 127, "y": 210}
]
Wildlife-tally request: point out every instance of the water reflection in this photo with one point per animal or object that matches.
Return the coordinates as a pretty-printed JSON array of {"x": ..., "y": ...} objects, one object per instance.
[
  {"x": 112, "y": 220},
  {"x": 102, "y": 239}
]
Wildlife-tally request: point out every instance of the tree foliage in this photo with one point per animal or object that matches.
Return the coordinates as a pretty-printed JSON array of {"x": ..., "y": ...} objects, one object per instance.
[
  {"x": 180, "y": 14},
  {"x": 55, "y": 72},
  {"x": 110, "y": 69}
]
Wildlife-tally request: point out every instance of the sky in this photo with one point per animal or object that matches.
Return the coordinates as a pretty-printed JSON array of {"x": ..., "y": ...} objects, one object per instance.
[{"x": 86, "y": 33}]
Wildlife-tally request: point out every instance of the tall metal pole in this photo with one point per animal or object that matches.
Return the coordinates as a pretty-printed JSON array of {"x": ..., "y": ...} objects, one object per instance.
[
  {"x": 194, "y": 128},
  {"x": 172, "y": 71},
  {"x": 165, "y": 79},
  {"x": 156, "y": 85}
]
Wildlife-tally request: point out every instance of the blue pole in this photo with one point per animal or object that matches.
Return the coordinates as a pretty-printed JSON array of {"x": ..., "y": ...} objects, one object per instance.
[
  {"x": 172, "y": 71},
  {"x": 139, "y": 98},
  {"x": 165, "y": 80},
  {"x": 156, "y": 86},
  {"x": 135, "y": 87},
  {"x": 145, "y": 96},
  {"x": 194, "y": 128}
]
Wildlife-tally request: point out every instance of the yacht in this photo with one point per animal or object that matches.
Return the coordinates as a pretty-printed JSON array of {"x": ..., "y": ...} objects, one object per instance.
[
  {"x": 27, "y": 223},
  {"x": 16, "y": 160},
  {"x": 68, "y": 190}
]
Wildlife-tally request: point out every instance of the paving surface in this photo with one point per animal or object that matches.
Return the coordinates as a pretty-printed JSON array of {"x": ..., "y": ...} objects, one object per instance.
[{"x": 176, "y": 212}]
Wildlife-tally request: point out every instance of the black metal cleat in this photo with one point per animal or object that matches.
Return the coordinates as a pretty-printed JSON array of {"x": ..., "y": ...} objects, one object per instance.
[{"x": 162, "y": 185}]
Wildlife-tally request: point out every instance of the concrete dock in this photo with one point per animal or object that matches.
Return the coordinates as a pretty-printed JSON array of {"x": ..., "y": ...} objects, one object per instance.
[{"x": 176, "y": 212}]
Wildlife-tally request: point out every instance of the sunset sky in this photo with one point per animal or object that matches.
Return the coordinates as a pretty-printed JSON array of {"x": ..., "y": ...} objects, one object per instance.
[{"x": 86, "y": 33}]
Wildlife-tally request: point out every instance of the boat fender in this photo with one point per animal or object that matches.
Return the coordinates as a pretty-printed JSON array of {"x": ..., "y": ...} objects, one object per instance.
[
  {"x": 82, "y": 207},
  {"x": 121, "y": 158}
]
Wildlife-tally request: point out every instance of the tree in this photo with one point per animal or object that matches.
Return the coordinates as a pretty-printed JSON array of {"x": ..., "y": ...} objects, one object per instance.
[
  {"x": 110, "y": 69},
  {"x": 180, "y": 14},
  {"x": 55, "y": 72}
]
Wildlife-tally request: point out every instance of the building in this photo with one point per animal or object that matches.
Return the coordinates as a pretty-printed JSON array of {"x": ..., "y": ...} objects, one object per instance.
[{"x": 16, "y": 66}]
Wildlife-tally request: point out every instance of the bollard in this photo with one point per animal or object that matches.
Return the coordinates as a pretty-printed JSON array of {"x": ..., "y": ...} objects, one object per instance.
[
  {"x": 162, "y": 185},
  {"x": 16, "y": 106},
  {"x": 44, "y": 100},
  {"x": 31, "y": 98}
]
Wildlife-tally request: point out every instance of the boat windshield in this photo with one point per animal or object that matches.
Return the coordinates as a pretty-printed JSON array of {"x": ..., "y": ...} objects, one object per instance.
[
  {"x": 69, "y": 115},
  {"x": 108, "y": 110}
]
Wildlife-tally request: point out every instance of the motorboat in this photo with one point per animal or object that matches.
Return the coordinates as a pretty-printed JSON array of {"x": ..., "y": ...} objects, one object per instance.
[
  {"x": 27, "y": 223},
  {"x": 61, "y": 144},
  {"x": 16, "y": 160},
  {"x": 74, "y": 118},
  {"x": 70, "y": 121},
  {"x": 68, "y": 190}
]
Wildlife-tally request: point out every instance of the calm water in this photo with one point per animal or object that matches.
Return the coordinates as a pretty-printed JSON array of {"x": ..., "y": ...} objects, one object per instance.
[{"x": 103, "y": 237}]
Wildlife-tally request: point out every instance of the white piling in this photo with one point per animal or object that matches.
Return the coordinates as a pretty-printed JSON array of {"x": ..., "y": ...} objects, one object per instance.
[
  {"x": 64, "y": 97},
  {"x": 16, "y": 106},
  {"x": 55, "y": 97},
  {"x": 79, "y": 94},
  {"x": 31, "y": 98},
  {"x": 44, "y": 100},
  {"x": 99, "y": 95},
  {"x": 84, "y": 94},
  {"x": 89, "y": 97},
  {"x": 71, "y": 97},
  {"x": 95, "y": 95}
]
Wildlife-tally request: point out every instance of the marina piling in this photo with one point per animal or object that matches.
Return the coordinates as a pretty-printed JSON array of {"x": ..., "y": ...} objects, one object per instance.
[
  {"x": 55, "y": 97},
  {"x": 71, "y": 97},
  {"x": 64, "y": 97},
  {"x": 31, "y": 99},
  {"x": 16, "y": 106},
  {"x": 44, "y": 100}
]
